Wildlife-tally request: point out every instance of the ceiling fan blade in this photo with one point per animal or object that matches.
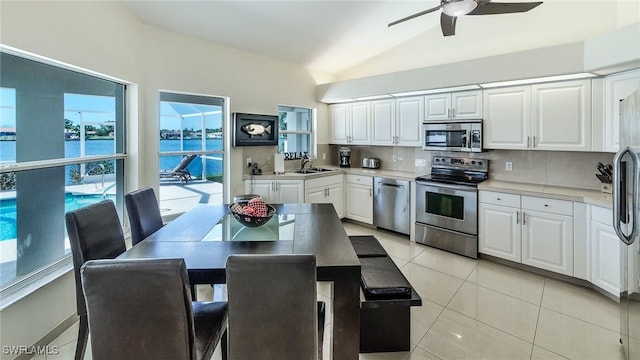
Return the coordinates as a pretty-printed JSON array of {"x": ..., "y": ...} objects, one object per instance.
[
  {"x": 491, "y": 8},
  {"x": 448, "y": 24},
  {"x": 415, "y": 15}
]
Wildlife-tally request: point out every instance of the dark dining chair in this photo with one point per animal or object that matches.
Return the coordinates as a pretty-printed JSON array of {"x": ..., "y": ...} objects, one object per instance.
[
  {"x": 144, "y": 213},
  {"x": 142, "y": 309},
  {"x": 273, "y": 309},
  {"x": 94, "y": 233}
]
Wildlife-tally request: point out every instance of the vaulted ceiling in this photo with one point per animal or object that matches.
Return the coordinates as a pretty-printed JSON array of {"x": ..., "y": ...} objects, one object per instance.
[{"x": 337, "y": 36}]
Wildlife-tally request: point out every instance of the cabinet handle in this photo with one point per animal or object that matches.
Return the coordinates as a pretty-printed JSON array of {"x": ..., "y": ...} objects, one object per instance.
[
  {"x": 448, "y": 113},
  {"x": 528, "y": 141},
  {"x": 534, "y": 141},
  {"x": 453, "y": 113},
  {"x": 524, "y": 219},
  {"x": 370, "y": 192},
  {"x": 517, "y": 217},
  {"x": 498, "y": 199},
  {"x": 545, "y": 205},
  {"x": 326, "y": 192}
]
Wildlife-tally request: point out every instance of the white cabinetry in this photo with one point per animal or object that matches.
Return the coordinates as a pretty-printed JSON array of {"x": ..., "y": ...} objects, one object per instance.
[
  {"x": 457, "y": 105},
  {"x": 604, "y": 251},
  {"x": 507, "y": 117},
  {"x": 550, "y": 116},
  {"x": 328, "y": 189},
  {"x": 383, "y": 121},
  {"x": 616, "y": 88},
  {"x": 359, "y": 198},
  {"x": 351, "y": 123},
  {"x": 533, "y": 231},
  {"x": 276, "y": 191},
  {"x": 397, "y": 121},
  {"x": 561, "y": 116},
  {"x": 499, "y": 225},
  {"x": 547, "y": 236}
]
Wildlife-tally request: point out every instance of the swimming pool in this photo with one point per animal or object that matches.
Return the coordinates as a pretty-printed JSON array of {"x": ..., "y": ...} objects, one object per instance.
[{"x": 8, "y": 214}]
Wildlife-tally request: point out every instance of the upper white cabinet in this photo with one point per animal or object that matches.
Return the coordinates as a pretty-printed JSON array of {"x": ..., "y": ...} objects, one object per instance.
[
  {"x": 383, "y": 120},
  {"x": 409, "y": 115},
  {"x": 551, "y": 116},
  {"x": 561, "y": 116},
  {"x": 507, "y": 117},
  {"x": 616, "y": 88},
  {"x": 457, "y": 105},
  {"x": 351, "y": 123}
]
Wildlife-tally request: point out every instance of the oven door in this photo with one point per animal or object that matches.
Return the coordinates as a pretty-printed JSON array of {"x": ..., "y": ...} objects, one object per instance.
[
  {"x": 447, "y": 136},
  {"x": 451, "y": 207}
]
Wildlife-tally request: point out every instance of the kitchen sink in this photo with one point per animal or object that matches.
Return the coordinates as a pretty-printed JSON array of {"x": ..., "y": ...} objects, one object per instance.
[{"x": 313, "y": 170}]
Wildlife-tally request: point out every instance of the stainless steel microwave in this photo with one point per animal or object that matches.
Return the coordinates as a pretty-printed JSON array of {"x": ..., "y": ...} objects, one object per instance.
[{"x": 452, "y": 135}]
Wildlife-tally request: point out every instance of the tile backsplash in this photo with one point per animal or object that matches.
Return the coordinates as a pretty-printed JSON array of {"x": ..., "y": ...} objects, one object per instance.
[{"x": 557, "y": 168}]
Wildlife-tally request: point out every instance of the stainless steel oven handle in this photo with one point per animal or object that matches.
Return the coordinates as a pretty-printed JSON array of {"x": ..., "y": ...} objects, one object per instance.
[{"x": 448, "y": 186}]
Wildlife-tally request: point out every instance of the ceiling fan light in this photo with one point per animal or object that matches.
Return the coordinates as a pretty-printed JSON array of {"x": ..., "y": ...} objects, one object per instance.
[{"x": 459, "y": 7}]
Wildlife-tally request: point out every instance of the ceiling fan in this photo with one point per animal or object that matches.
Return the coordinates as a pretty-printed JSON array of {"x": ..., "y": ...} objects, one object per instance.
[{"x": 451, "y": 9}]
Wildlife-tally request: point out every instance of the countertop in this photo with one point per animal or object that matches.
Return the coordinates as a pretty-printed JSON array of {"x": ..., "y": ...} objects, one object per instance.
[
  {"x": 587, "y": 196},
  {"x": 292, "y": 175}
]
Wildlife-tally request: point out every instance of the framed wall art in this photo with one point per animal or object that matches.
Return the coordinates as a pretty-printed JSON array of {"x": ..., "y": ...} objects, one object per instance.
[{"x": 255, "y": 129}]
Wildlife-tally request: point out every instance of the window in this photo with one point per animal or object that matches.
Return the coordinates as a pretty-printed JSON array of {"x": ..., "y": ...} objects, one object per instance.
[
  {"x": 61, "y": 148},
  {"x": 296, "y": 130},
  {"x": 191, "y": 148}
]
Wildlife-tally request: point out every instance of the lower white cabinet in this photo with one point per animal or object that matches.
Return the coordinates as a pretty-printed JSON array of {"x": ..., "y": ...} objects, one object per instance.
[
  {"x": 276, "y": 191},
  {"x": 604, "y": 251},
  {"x": 530, "y": 230},
  {"x": 506, "y": 242},
  {"x": 328, "y": 189},
  {"x": 359, "y": 199}
]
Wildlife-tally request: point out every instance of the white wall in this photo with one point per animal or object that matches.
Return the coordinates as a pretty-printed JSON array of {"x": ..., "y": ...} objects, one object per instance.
[{"x": 104, "y": 37}]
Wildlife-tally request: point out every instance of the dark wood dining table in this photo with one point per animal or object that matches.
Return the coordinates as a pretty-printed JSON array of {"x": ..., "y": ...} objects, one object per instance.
[{"x": 205, "y": 235}]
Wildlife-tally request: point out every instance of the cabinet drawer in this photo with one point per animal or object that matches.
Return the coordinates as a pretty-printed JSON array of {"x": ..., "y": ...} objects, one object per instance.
[
  {"x": 602, "y": 215},
  {"x": 496, "y": 198},
  {"x": 323, "y": 181},
  {"x": 360, "y": 179},
  {"x": 553, "y": 206}
]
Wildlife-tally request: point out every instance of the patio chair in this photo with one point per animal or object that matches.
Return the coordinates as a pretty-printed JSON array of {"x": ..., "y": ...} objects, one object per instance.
[
  {"x": 180, "y": 171},
  {"x": 141, "y": 309},
  {"x": 94, "y": 233}
]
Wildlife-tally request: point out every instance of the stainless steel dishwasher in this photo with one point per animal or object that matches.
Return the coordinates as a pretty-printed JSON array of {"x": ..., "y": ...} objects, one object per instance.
[{"x": 391, "y": 204}]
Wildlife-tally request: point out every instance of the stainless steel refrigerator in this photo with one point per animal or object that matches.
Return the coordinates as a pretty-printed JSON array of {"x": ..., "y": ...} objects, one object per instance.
[{"x": 626, "y": 207}]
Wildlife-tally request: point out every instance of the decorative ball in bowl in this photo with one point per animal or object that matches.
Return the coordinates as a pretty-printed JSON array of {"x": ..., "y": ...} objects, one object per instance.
[{"x": 252, "y": 213}]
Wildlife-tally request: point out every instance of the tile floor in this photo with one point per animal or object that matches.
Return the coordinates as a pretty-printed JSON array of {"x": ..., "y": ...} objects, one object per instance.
[{"x": 475, "y": 309}]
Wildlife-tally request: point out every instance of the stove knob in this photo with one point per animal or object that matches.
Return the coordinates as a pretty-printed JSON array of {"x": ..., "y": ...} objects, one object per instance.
[
  {"x": 473, "y": 162},
  {"x": 480, "y": 163}
]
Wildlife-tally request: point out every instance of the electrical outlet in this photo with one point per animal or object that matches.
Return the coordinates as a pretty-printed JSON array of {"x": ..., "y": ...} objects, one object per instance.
[
  {"x": 267, "y": 160},
  {"x": 249, "y": 162},
  {"x": 509, "y": 166},
  {"x": 324, "y": 156},
  {"x": 395, "y": 157}
]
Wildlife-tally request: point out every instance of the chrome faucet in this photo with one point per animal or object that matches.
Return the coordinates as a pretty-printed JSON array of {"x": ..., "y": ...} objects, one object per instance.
[{"x": 304, "y": 161}]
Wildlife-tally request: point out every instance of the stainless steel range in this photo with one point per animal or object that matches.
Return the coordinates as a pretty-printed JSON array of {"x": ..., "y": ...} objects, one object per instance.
[{"x": 447, "y": 204}]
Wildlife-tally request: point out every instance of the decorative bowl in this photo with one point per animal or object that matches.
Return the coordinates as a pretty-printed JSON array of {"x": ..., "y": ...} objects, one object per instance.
[{"x": 250, "y": 220}]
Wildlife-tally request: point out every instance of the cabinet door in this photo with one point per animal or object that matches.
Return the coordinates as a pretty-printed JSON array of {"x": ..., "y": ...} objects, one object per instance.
[
  {"x": 408, "y": 127},
  {"x": 437, "y": 106},
  {"x": 316, "y": 195},
  {"x": 383, "y": 115},
  {"x": 605, "y": 258},
  {"x": 289, "y": 191},
  {"x": 547, "y": 241},
  {"x": 336, "y": 197},
  {"x": 263, "y": 188},
  {"x": 360, "y": 123},
  {"x": 339, "y": 123},
  {"x": 360, "y": 203},
  {"x": 561, "y": 116},
  {"x": 499, "y": 231},
  {"x": 506, "y": 117},
  {"x": 617, "y": 87},
  {"x": 466, "y": 104}
]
